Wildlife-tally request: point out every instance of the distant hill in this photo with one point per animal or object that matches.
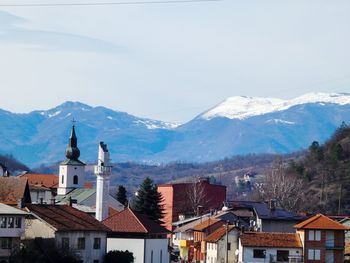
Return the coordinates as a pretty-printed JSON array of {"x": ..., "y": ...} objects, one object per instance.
[
  {"x": 238, "y": 126},
  {"x": 13, "y": 166}
]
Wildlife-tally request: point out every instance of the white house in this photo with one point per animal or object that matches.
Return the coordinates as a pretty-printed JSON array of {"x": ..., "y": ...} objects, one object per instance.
[
  {"x": 146, "y": 239},
  {"x": 255, "y": 247},
  {"x": 70, "y": 228},
  {"x": 11, "y": 230},
  {"x": 222, "y": 243}
]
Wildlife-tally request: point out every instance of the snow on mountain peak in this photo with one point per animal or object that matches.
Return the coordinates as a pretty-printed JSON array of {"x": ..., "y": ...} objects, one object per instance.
[{"x": 241, "y": 107}]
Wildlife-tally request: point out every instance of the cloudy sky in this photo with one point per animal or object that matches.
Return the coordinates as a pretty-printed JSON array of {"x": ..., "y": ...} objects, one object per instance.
[{"x": 171, "y": 61}]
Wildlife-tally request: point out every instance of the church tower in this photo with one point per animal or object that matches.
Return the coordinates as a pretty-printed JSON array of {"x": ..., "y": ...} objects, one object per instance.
[
  {"x": 72, "y": 170},
  {"x": 103, "y": 170}
]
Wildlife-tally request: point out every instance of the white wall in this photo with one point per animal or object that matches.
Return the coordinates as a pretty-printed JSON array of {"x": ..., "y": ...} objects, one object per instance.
[
  {"x": 160, "y": 251},
  {"x": 68, "y": 172},
  {"x": 136, "y": 246},
  {"x": 36, "y": 194},
  {"x": 212, "y": 252}
]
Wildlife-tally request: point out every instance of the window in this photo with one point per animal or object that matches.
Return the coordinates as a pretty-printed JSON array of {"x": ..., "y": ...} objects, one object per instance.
[
  {"x": 62, "y": 179},
  {"x": 81, "y": 243},
  {"x": 11, "y": 222},
  {"x": 97, "y": 243},
  {"x": 65, "y": 242},
  {"x": 75, "y": 179},
  {"x": 283, "y": 255},
  {"x": 18, "y": 222},
  {"x": 3, "y": 222},
  {"x": 228, "y": 246},
  {"x": 6, "y": 243},
  {"x": 314, "y": 235},
  {"x": 259, "y": 253},
  {"x": 152, "y": 256},
  {"x": 314, "y": 254},
  {"x": 161, "y": 256}
]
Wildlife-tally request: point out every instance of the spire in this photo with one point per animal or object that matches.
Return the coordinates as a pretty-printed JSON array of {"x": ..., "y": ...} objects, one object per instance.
[{"x": 72, "y": 151}]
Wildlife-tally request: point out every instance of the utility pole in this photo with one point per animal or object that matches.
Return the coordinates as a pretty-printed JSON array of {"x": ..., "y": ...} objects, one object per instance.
[{"x": 339, "y": 200}]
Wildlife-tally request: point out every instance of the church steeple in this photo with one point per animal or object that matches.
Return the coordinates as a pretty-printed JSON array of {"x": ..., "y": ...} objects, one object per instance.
[{"x": 72, "y": 151}]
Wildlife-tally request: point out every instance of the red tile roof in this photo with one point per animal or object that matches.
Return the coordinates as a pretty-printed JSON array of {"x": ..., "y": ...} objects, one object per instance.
[
  {"x": 128, "y": 221},
  {"x": 270, "y": 239},
  {"x": 218, "y": 233},
  {"x": 46, "y": 180},
  {"x": 320, "y": 221},
  {"x": 205, "y": 224},
  {"x": 12, "y": 189},
  {"x": 67, "y": 218}
]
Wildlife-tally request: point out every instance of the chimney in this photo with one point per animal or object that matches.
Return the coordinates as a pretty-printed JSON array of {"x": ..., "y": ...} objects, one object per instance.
[{"x": 272, "y": 204}]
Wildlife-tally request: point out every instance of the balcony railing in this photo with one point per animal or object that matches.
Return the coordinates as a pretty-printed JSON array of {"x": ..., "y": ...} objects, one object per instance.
[{"x": 103, "y": 169}]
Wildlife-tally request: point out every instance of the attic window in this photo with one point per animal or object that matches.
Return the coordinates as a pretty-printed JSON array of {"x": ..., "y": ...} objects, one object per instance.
[{"x": 75, "y": 179}]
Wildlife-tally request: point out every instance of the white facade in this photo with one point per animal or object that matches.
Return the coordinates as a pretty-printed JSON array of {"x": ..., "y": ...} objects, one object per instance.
[
  {"x": 216, "y": 251},
  {"x": 70, "y": 178},
  {"x": 144, "y": 250},
  {"x": 38, "y": 228},
  {"x": 246, "y": 254},
  {"x": 40, "y": 193},
  {"x": 103, "y": 171}
]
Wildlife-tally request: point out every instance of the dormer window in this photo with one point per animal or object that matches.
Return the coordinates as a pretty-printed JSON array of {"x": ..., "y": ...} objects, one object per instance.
[{"x": 75, "y": 179}]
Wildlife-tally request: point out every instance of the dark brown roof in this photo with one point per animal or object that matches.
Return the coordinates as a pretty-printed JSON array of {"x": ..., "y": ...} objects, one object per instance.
[
  {"x": 129, "y": 221},
  {"x": 66, "y": 218},
  {"x": 270, "y": 239},
  {"x": 320, "y": 221},
  {"x": 12, "y": 189},
  {"x": 45, "y": 180},
  {"x": 218, "y": 233}
]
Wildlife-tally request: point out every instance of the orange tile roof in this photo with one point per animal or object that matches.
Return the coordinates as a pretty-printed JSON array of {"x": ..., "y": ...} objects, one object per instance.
[
  {"x": 46, "y": 180},
  {"x": 128, "y": 221},
  {"x": 218, "y": 233},
  {"x": 320, "y": 221},
  {"x": 270, "y": 239},
  {"x": 12, "y": 189},
  {"x": 205, "y": 224}
]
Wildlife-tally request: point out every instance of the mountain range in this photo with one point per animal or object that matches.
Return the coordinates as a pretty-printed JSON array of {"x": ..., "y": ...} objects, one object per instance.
[{"x": 239, "y": 125}]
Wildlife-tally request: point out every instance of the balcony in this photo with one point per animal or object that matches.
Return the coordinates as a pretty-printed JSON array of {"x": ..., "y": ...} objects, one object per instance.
[
  {"x": 185, "y": 243},
  {"x": 103, "y": 169}
]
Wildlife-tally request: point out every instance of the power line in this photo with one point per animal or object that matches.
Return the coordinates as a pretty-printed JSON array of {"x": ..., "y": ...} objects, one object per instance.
[{"x": 107, "y": 3}]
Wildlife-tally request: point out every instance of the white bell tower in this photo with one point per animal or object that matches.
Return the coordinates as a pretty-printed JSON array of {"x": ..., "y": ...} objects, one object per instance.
[{"x": 103, "y": 170}]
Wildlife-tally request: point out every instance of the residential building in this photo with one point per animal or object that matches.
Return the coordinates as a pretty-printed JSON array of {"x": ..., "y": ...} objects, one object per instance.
[
  {"x": 70, "y": 228},
  {"x": 14, "y": 190},
  {"x": 270, "y": 247},
  {"x": 268, "y": 217},
  {"x": 222, "y": 244},
  {"x": 145, "y": 238},
  {"x": 12, "y": 223},
  {"x": 177, "y": 199},
  {"x": 323, "y": 239}
]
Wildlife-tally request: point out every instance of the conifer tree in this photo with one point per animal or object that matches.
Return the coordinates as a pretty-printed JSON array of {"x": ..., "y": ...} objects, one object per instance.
[
  {"x": 121, "y": 195},
  {"x": 148, "y": 201}
]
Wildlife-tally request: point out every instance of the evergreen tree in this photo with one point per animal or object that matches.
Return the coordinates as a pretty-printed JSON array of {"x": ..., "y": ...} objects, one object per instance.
[
  {"x": 148, "y": 201},
  {"x": 121, "y": 195}
]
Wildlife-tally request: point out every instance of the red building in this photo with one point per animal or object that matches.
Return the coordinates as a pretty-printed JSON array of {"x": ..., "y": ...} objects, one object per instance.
[
  {"x": 323, "y": 239},
  {"x": 190, "y": 198}
]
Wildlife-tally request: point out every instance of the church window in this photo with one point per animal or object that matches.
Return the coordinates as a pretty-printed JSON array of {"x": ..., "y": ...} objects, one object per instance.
[
  {"x": 75, "y": 179},
  {"x": 62, "y": 179}
]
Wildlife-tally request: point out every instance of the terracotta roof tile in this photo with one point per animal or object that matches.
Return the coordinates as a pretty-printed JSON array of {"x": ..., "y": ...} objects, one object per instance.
[
  {"x": 205, "y": 224},
  {"x": 67, "y": 218},
  {"x": 12, "y": 189},
  {"x": 218, "y": 233},
  {"x": 320, "y": 221},
  {"x": 128, "y": 221},
  {"x": 46, "y": 180},
  {"x": 270, "y": 239}
]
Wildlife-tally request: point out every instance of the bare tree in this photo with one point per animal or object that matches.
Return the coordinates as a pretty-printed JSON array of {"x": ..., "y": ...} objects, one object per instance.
[
  {"x": 196, "y": 195},
  {"x": 286, "y": 189}
]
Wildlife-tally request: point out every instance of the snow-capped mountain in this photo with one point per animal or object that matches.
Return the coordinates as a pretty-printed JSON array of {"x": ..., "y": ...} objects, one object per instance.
[
  {"x": 239, "y": 125},
  {"x": 241, "y": 107}
]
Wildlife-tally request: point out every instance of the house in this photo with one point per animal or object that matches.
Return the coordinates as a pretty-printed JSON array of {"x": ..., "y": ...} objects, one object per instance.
[
  {"x": 69, "y": 228},
  {"x": 200, "y": 232},
  {"x": 14, "y": 190},
  {"x": 270, "y": 247},
  {"x": 12, "y": 223},
  {"x": 177, "y": 196},
  {"x": 222, "y": 244},
  {"x": 323, "y": 239},
  {"x": 145, "y": 238},
  {"x": 268, "y": 217},
  {"x": 42, "y": 187}
]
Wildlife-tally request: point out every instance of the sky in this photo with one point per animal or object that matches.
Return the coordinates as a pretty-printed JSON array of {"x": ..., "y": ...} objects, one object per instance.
[{"x": 170, "y": 61}]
